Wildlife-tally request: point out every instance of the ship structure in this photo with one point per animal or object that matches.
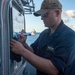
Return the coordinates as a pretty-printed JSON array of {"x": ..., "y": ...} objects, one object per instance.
[{"x": 33, "y": 32}]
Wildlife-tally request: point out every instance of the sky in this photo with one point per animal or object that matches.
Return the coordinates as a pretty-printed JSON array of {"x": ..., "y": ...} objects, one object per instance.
[{"x": 68, "y": 16}]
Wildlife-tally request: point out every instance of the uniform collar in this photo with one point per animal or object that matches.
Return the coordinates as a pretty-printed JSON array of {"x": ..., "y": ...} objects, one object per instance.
[{"x": 59, "y": 29}]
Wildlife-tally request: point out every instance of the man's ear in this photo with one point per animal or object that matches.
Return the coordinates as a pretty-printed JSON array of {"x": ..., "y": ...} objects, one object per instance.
[{"x": 57, "y": 12}]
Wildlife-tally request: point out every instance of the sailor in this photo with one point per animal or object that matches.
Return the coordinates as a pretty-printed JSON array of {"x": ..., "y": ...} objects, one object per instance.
[{"x": 54, "y": 50}]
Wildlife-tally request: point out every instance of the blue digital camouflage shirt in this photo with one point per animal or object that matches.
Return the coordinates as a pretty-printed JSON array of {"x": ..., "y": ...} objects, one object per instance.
[{"x": 58, "y": 48}]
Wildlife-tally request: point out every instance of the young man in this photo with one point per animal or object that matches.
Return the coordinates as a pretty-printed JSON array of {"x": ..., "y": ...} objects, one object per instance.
[{"x": 54, "y": 50}]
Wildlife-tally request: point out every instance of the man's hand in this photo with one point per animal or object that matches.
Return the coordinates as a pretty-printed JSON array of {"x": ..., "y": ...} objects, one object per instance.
[
  {"x": 22, "y": 38},
  {"x": 16, "y": 47}
]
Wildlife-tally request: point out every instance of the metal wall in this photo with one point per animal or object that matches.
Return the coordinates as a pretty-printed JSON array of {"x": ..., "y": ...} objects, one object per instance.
[
  {"x": 5, "y": 40},
  {"x": 0, "y": 39},
  {"x": 7, "y": 66}
]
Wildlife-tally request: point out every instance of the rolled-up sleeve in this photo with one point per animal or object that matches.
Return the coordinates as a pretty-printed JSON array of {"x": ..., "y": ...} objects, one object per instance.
[{"x": 62, "y": 53}]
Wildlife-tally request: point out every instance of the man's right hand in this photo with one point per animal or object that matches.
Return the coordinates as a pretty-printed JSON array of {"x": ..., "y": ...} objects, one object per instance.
[{"x": 22, "y": 38}]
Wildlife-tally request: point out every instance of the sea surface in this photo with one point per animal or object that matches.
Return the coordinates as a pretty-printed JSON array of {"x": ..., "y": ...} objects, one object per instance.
[{"x": 32, "y": 38}]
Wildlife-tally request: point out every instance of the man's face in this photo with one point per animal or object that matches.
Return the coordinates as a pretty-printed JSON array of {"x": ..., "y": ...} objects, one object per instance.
[{"x": 49, "y": 18}]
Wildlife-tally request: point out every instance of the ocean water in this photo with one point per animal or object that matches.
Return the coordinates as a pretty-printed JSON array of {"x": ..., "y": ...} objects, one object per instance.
[{"x": 32, "y": 38}]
